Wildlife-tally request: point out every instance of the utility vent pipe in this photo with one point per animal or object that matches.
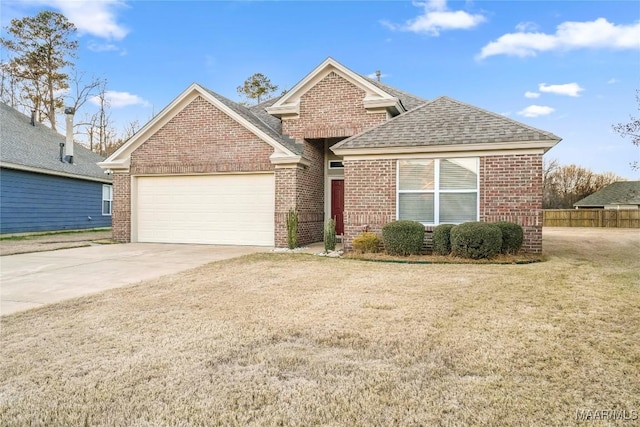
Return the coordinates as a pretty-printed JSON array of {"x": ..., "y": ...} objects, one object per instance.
[{"x": 68, "y": 146}]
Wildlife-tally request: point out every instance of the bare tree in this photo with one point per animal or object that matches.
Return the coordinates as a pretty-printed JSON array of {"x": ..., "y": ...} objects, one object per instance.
[
  {"x": 631, "y": 129},
  {"x": 82, "y": 91}
]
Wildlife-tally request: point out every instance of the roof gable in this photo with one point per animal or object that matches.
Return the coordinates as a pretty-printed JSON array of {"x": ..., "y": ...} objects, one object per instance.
[
  {"x": 446, "y": 122},
  {"x": 283, "y": 147},
  {"x": 36, "y": 148},
  {"x": 375, "y": 97},
  {"x": 617, "y": 193}
]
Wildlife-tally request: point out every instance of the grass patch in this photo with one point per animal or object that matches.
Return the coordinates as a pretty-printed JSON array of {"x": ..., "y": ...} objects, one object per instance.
[
  {"x": 29, "y": 236},
  {"x": 289, "y": 339}
]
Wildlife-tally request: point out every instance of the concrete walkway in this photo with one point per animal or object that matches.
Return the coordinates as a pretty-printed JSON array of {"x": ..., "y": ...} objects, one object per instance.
[{"x": 34, "y": 279}]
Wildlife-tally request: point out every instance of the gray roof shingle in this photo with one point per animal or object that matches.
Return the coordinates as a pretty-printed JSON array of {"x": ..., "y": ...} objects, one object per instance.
[
  {"x": 445, "y": 121},
  {"x": 258, "y": 120},
  {"x": 618, "y": 193},
  {"x": 39, "y": 147},
  {"x": 408, "y": 100}
]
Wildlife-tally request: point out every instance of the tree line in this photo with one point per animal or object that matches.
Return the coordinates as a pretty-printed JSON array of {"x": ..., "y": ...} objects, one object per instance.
[{"x": 564, "y": 185}]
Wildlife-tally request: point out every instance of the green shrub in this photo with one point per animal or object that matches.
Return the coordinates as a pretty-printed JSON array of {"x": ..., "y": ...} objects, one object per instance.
[
  {"x": 292, "y": 229},
  {"x": 442, "y": 239},
  {"x": 330, "y": 235},
  {"x": 403, "y": 237},
  {"x": 512, "y": 237},
  {"x": 366, "y": 242},
  {"x": 476, "y": 240}
]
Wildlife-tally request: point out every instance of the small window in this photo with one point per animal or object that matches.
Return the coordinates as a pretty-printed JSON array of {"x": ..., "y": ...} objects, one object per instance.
[
  {"x": 336, "y": 164},
  {"x": 107, "y": 199}
]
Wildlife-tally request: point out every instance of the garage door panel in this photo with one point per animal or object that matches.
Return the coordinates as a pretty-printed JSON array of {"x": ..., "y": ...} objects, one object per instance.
[{"x": 212, "y": 209}]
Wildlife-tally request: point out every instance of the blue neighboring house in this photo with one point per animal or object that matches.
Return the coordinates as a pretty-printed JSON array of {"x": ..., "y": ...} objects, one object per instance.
[{"x": 41, "y": 192}]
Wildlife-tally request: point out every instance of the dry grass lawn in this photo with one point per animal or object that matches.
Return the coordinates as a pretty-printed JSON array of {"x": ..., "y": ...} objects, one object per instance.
[{"x": 282, "y": 339}]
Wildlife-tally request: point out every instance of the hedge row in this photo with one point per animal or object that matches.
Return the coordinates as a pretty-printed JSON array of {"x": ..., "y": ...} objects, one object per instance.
[
  {"x": 474, "y": 240},
  {"x": 478, "y": 239}
]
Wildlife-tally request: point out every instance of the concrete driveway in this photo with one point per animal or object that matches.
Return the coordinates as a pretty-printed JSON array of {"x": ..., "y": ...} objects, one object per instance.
[{"x": 35, "y": 279}]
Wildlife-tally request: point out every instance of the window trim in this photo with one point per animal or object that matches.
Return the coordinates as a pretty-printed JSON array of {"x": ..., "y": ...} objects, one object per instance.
[
  {"x": 436, "y": 188},
  {"x": 109, "y": 199}
]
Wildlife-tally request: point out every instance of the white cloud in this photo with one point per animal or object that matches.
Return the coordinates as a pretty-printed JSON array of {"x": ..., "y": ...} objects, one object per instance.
[
  {"x": 95, "y": 17},
  {"x": 437, "y": 18},
  {"x": 102, "y": 47},
  {"x": 528, "y": 94},
  {"x": 527, "y": 26},
  {"x": 568, "y": 36},
  {"x": 612, "y": 81},
  {"x": 569, "y": 89},
  {"x": 536, "y": 111},
  {"x": 120, "y": 99}
]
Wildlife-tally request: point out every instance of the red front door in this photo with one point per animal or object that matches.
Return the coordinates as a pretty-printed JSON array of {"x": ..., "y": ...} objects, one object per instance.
[{"x": 337, "y": 204}]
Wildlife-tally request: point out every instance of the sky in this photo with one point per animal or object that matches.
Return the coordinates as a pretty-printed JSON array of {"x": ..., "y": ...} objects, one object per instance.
[{"x": 568, "y": 67}]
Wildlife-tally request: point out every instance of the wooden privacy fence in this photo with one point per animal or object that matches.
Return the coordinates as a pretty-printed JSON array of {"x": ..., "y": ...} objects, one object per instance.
[{"x": 623, "y": 218}]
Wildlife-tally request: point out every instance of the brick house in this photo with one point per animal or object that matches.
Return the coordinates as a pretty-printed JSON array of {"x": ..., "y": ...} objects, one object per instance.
[{"x": 338, "y": 144}]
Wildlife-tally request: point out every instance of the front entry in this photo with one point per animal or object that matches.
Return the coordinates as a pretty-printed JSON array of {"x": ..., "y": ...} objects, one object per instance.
[{"x": 337, "y": 204}]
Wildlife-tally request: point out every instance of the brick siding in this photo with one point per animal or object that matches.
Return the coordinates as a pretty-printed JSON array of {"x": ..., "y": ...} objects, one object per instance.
[
  {"x": 369, "y": 196},
  {"x": 199, "y": 139},
  {"x": 332, "y": 108},
  {"x": 121, "y": 209},
  {"x": 510, "y": 190}
]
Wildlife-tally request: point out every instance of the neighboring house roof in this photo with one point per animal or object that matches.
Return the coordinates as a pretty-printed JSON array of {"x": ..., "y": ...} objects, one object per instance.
[
  {"x": 446, "y": 122},
  {"x": 618, "y": 193},
  {"x": 37, "y": 149}
]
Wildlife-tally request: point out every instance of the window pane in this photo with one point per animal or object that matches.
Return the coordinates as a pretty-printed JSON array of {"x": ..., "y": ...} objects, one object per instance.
[
  {"x": 416, "y": 206},
  {"x": 106, "y": 192},
  {"x": 456, "y": 208},
  {"x": 106, "y": 207},
  {"x": 459, "y": 174},
  {"x": 416, "y": 174}
]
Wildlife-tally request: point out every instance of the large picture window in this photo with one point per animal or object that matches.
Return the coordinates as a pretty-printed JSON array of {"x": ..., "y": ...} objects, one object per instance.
[
  {"x": 107, "y": 199},
  {"x": 438, "y": 191}
]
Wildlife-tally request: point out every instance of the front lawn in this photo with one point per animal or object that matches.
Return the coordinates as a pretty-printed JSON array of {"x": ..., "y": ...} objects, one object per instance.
[{"x": 294, "y": 339}]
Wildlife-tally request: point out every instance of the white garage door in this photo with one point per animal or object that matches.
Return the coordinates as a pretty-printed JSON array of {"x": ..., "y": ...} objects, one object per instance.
[{"x": 209, "y": 209}]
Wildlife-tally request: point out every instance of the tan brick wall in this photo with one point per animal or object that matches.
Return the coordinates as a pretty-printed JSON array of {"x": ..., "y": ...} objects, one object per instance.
[
  {"x": 511, "y": 190},
  {"x": 201, "y": 139},
  {"x": 121, "y": 210},
  {"x": 369, "y": 196},
  {"x": 332, "y": 108},
  {"x": 302, "y": 189}
]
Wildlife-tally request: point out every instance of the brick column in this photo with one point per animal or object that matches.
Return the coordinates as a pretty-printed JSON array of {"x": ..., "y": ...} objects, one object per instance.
[{"x": 121, "y": 212}]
